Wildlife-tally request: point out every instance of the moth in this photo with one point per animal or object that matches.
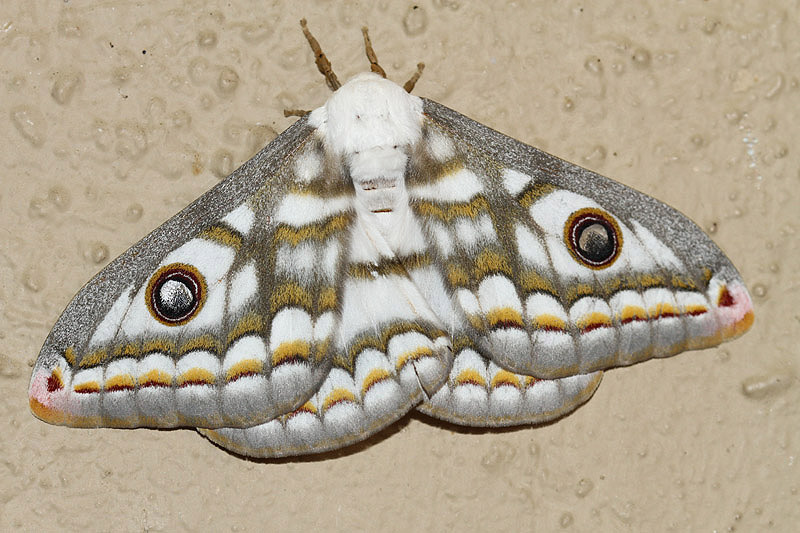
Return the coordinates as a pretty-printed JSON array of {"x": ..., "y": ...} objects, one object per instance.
[{"x": 383, "y": 254}]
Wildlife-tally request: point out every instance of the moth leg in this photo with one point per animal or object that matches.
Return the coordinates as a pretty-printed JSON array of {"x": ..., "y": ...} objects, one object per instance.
[
  {"x": 323, "y": 64},
  {"x": 295, "y": 112}
]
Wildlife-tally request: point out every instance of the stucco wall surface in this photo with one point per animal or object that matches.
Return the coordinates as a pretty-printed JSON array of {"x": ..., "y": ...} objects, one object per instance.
[{"x": 116, "y": 114}]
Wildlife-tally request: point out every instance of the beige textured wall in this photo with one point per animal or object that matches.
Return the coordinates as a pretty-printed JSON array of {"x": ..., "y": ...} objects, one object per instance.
[{"x": 116, "y": 114}]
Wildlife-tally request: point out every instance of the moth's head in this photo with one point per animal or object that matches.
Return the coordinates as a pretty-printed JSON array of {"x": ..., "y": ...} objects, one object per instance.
[{"x": 369, "y": 112}]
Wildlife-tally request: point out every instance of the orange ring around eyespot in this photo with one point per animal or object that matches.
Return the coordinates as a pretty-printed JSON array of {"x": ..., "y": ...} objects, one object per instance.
[
  {"x": 591, "y": 214},
  {"x": 187, "y": 272}
]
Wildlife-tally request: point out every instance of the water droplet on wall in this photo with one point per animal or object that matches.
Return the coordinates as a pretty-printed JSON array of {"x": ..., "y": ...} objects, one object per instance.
[
  {"x": 593, "y": 65},
  {"x": 760, "y": 290},
  {"x": 206, "y": 39},
  {"x": 59, "y": 197},
  {"x": 258, "y": 136},
  {"x": 131, "y": 141},
  {"x": 641, "y": 58},
  {"x": 134, "y": 212},
  {"x": 198, "y": 70},
  {"x": 96, "y": 252},
  {"x": 585, "y": 486},
  {"x": 222, "y": 163},
  {"x": 33, "y": 280},
  {"x": 228, "y": 81},
  {"x": 254, "y": 34},
  {"x": 416, "y": 21},
  {"x": 180, "y": 118},
  {"x": 36, "y": 208},
  {"x": 9, "y": 368},
  {"x": 772, "y": 385},
  {"x": 64, "y": 87},
  {"x": 501, "y": 453},
  {"x": 597, "y": 155},
  {"x": 30, "y": 124},
  {"x": 450, "y": 4}
]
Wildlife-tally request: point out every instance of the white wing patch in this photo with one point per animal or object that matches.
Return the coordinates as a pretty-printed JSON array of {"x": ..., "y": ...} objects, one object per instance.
[
  {"x": 241, "y": 219},
  {"x": 110, "y": 324},
  {"x": 308, "y": 166},
  {"x": 661, "y": 253},
  {"x": 515, "y": 182},
  {"x": 243, "y": 288},
  {"x": 473, "y": 235},
  {"x": 299, "y": 210},
  {"x": 298, "y": 262},
  {"x": 531, "y": 251},
  {"x": 440, "y": 147},
  {"x": 460, "y": 186}
]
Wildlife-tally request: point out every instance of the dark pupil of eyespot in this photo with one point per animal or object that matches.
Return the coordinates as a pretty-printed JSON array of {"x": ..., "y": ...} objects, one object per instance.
[
  {"x": 175, "y": 297},
  {"x": 595, "y": 242}
]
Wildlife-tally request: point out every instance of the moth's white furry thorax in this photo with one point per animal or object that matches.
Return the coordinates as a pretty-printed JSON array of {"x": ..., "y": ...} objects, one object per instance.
[{"x": 368, "y": 112}]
